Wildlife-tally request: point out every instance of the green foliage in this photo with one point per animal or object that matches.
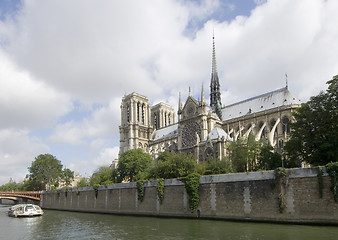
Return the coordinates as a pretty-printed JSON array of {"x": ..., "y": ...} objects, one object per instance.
[
  {"x": 320, "y": 181},
  {"x": 281, "y": 179},
  {"x": 140, "y": 190},
  {"x": 160, "y": 190},
  {"x": 102, "y": 176},
  {"x": 244, "y": 154},
  {"x": 67, "y": 177},
  {"x": 173, "y": 165},
  {"x": 216, "y": 166},
  {"x": 96, "y": 189},
  {"x": 314, "y": 138},
  {"x": 82, "y": 183},
  {"x": 45, "y": 171},
  {"x": 77, "y": 192},
  {"x": 32, "y": 185},
  {"x": 11, "y": 186},
  {"x": 332, "y": 170},
  {"x": 268, "y": 159},
  {"x": 192, "y": 184},
  {"x": 132, "y": 165},
  {"x": 280, "y": 176}
]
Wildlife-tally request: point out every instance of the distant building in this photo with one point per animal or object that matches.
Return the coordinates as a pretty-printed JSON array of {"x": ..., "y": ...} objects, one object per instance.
[{"x": 203, "y": 129}]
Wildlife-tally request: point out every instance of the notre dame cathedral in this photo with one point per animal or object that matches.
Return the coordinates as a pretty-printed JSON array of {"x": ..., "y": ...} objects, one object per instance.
[{"x": 203, "y": 129}]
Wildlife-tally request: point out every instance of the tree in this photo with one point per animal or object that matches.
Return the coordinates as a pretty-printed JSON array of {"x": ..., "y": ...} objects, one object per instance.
[
  {"x": 133, "y": 164},
  {"x": 45, "y": 172},
  {"x": 82, "y": 183},
  {"x": 244, "y": 153},
  {"x": 102, "y": 176},
  {"x": 217, "y": 166},
  {"x": 173, "y": 165},
  {"x": 268, "y": 159},
  {"x": 314, "y": 137},
  {"x": 10, "y": 186},
  {"x": 67, "y": 177}
]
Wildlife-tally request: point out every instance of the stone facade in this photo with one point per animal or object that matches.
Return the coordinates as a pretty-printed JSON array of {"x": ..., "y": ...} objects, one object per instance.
[{"x": 203, "y": 129}]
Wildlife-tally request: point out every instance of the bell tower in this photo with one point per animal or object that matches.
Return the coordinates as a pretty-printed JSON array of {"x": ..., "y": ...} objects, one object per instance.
[{"x": 135, "y": 129}]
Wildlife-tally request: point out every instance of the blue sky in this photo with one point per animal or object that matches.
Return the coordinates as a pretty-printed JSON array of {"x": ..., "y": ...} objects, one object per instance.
[{"x": 65, "y": 65}]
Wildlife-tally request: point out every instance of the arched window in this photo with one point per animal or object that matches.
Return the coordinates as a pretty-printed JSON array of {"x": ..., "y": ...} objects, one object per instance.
[
  {"x": 208, "y": 153},
  {"x": 128, "y": 113},
  {"x": 280, "y": 143},
  {"x": 155, "y": 120},
  {"x": 285, "y": 125},
  {"x": 260, "y": 125},
  {"x": 138, "y": 112},
  {"x": 272, "y": 123},
  {"x": 143, "y": 113},
  {"x": 169, "y": 120}
]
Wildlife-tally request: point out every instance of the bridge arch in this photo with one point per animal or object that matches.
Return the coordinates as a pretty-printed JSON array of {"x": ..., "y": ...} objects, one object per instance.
[{"x": 34, "y": 196}]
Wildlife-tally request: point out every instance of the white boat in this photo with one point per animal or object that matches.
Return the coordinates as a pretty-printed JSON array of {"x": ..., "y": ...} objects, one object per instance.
[{"x": 25, "y": 210}]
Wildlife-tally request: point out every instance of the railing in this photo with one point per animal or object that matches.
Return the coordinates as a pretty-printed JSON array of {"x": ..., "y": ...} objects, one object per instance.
[{"x": 35, "y": 195}]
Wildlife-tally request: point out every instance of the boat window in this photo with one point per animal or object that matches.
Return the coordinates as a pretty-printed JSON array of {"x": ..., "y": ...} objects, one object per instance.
[{"x": 28, "y": 208}]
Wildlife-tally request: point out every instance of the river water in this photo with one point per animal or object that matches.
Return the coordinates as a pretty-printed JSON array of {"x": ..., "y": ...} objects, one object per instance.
[{"x": 73, "y": 225}]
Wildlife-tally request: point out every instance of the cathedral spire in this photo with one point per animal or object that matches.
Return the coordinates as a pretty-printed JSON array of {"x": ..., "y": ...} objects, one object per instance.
[{"x": 215, "y": 94}]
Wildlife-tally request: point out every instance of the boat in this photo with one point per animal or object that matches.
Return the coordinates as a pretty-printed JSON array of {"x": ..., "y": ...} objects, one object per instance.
[{"x": 25, "y": 210}]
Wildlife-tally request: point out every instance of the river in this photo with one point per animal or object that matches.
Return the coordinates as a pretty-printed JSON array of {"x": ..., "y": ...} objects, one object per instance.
[{"x": 73, "y": 225}]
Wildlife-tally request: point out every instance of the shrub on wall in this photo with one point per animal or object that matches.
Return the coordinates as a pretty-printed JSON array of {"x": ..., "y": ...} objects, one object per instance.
[
  {"x": 96, "y": 189},
  {"x": 320, "y": 181},
  {"x": 192, "y": 184},
  {"x": 160, "y": 190},
  {"x": 140, "y": 190},
  {"x": 332, "y": 170},
  {"x": 281, "y": 180}
]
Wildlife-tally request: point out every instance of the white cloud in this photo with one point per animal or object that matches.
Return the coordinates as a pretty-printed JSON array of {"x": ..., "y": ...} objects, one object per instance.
[
  {"x": 64, "y": 65},
  {"x": 102, "y": 122},
  {"x": 99, "y": 48},
  {"x": 18, "y": 150},
  {"x": 26, "y": 102},
  {"x": 297, "y": 38},
  {"x": 106, "y": 157}
]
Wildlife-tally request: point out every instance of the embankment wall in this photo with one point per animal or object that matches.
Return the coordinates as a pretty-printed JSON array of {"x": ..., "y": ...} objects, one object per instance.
[{"x": 241, "y": 196}]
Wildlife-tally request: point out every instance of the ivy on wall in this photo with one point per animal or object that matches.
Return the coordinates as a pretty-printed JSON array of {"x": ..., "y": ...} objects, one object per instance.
[
  {"x": 192, "y": 184},
  {"x": 160, "y": 190},
  {"x": 320, "y": 181},
  {"x": 140, "y": 190},
  {"x": 96, "y": 189},
  {"x": 332, "y": 170},
  {"x": 281, "y": 180}
]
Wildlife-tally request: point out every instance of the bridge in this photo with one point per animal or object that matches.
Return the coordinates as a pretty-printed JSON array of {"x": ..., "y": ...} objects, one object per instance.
[{"x": 16, "y": 195}]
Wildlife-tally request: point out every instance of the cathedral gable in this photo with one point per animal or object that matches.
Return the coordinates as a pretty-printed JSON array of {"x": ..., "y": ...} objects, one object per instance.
[{"x": 190, "y": 108}]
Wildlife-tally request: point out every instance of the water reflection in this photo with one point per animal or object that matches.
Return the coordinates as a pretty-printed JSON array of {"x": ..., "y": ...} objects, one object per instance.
[{"x": 70, "y": 225}]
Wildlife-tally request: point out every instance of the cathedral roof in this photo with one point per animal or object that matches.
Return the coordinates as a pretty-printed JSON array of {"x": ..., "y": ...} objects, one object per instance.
[
  {"x": 270, "y": 100},
  {"x": 216, "y": 133},
  {"x": 166, "y": 132}
]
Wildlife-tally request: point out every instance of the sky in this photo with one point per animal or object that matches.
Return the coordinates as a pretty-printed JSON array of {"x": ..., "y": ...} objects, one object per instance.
[{"x": 66, "y": 64}]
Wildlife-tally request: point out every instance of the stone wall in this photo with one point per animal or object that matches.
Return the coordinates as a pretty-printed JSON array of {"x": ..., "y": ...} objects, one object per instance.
[{"x": 241, "y": 196}]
